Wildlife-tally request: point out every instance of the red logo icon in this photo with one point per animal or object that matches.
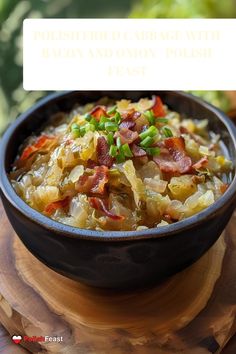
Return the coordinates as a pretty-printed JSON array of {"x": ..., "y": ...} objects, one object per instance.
[{"x": 16, "y": 339}]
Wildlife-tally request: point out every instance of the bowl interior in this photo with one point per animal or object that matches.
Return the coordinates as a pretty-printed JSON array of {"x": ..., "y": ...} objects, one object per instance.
[
  {"x": 180, "y": 102},
  {"x": 186, "y": 104}
]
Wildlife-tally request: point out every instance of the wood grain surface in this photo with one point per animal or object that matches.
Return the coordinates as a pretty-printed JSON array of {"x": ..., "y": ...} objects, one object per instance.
[{"x": 193, "y": 312}]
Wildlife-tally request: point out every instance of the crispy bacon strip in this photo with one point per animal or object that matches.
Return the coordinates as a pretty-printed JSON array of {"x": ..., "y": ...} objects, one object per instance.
[
  {"x": 201, "y": 163},
  {"x": 91, "y": 163},
  {"x": 137, "y": 151},
  {"x": 40, "y": 142},
  {"x": 99, "y": 111},
  {"x": 102, "y": 150},
  {"x": 102, "y": 205},
  {"x": 173, "y": 157},
  {"x": 60, "y": 204},
  {"x": 158, "y": 107},
  {"x": 183, "y": 130},
  {"x": 127, "y": 123},
  {"x": 131, "y": 114},
  {"x": 176, "y": 147},
  {"x": 128, "y": 118},
  {"x": 126, "y": 135},
  {"x": 224, "y": 187},
  {"x": 95, "y": 183},
  {"x": 165, "y": 162}
]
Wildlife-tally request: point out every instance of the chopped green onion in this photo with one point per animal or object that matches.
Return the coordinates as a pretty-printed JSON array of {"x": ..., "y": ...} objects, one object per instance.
[
  {"x": 162, "y": 120},
  {"x": 147, "y": 142},
  {"x": 75, "y": 129},
  {"x": 167, "y": 132},
  {"x": 126, "y": 150},
  {"x": 102, "y": 121},
  {"x": 89, "y": 127},
  {"x": 153, "y": 151},
  {"x": 110, "y": 138},
  {"x": 87, "y": 117},
  {"x": 150, "y": 116},
  {"x": 112, "y": 110},
  {"x": 94, "y": 122},
  {"x": 118, "y": 142},
  {"x": 117, "y": 118},
  {"x": 83, "y": 130},
  {"x": 113, "y": 150},
  {"x": 151, "y": 131},
  {"x": 111, "y": 126},
  {"x": 101, "y": 126},
  {"x": 120, "y": 157}
]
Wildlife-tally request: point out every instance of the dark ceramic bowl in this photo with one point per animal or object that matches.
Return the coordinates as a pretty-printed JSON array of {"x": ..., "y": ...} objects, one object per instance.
[{"x": 115, "y": 259}]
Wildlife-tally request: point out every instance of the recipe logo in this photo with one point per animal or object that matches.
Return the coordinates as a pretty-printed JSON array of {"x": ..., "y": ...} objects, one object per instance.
[{"x": 17, "y": 339}]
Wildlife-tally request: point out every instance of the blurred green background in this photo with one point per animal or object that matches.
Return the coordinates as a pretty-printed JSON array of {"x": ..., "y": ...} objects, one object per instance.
[{"x": 14, "y": 100}]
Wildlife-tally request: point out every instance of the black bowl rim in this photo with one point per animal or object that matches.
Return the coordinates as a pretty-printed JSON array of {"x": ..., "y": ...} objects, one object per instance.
[{"x": 74, "y": 232}]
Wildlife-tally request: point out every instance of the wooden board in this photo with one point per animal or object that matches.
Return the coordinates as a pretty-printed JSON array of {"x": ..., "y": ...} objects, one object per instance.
[{"x": 193, "y": 312}]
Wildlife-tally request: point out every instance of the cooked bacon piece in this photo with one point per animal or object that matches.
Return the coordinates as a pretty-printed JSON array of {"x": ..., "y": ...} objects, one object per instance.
[
  {"x": 102, "y": 150},
  {"x": 27, "y": 152},
  {"x": 173, "y": 157},
  {"x": 166, "y": 163},
  {"x": 99, "y": 111},
  {"x": 183, "y": 130},
  {"x": 201, "y": 163},
  {"x": 127, "y": 123},
  {"x": 40, "y": 142},
  {"x": 158, "y": 107},
  {"x": 102, "y": 205},
  {"x": 176, "y": 147},
  {"x": 95, "y": 183},
  {"x": 126, "y": 135},
  {"x": 60, "y": 204},
  {"x": 137, "y": 151},
  {"x": 91, "y": 163},
  {"x": 131, "y": 114},
  {"x": 224, "y": 187},
  {"x": 184, "y": 164},
  {"x": 143, "y": 159},
  {"x": 128, "y": 118}
]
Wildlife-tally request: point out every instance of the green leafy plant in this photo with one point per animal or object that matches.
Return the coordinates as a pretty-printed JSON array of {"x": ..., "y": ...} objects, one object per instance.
[{"x": 184, "y": 9}]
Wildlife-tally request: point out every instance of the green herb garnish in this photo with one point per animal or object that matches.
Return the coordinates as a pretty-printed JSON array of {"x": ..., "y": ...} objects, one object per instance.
[
  {"x": 82, "y": 130},
  {"x": 120, "y": 157},
  {"x": 167, "y": 132},
  {"x": 148, "y": 141},
  {"x": 75, "y": 130},
  {"x": 150, "y": 132},
  {"x": 117, "y": 118},
  {"x": 153, "y": 151},
  {"x": 111, "y": 126},
  {"x": 110, "y": 138},
  {"x": 118, "y": 142},
  {"x": 112, "y": 110},
  {"x": 87, "y": 117},
  {"x": 126, "y": 150},
  {"x": 89, "y": 127},
  {"x": 113, "y": 150},
  {"x": 150, "y": 117}
]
